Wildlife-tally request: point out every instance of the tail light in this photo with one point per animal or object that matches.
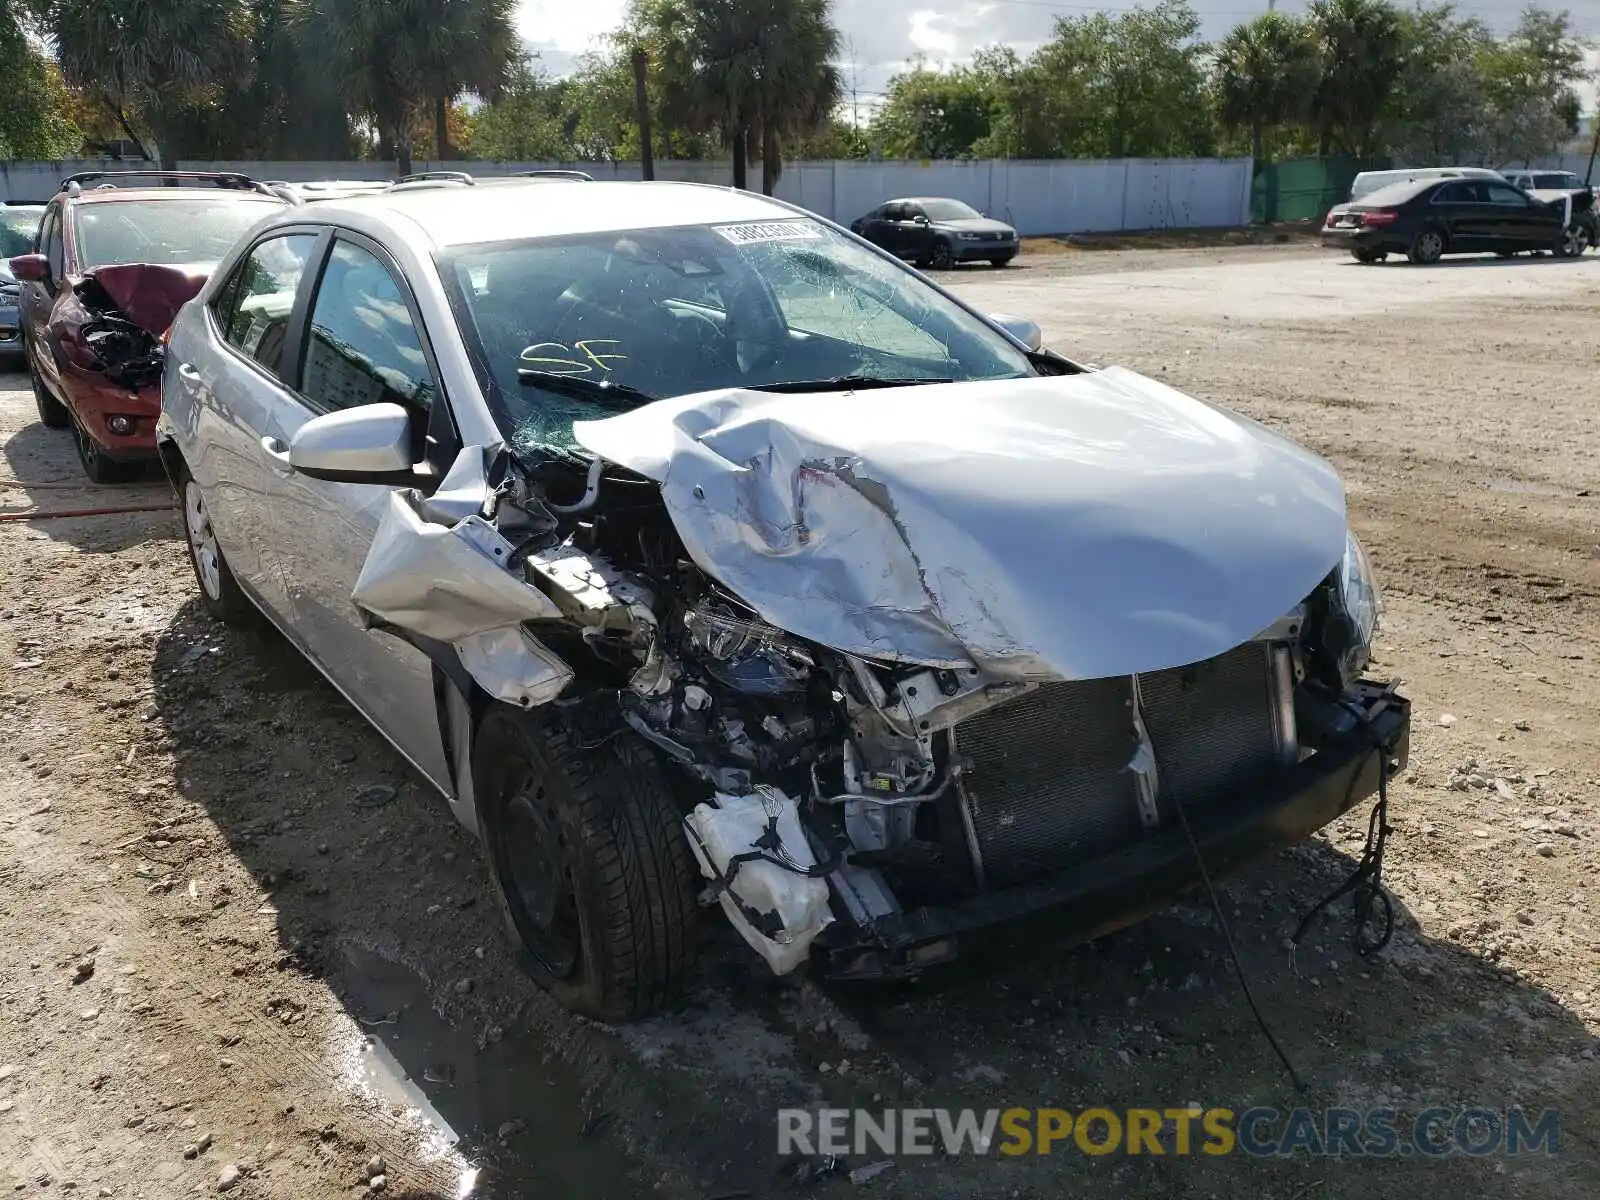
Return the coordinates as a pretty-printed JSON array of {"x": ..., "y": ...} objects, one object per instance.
[{"x": 1380, "y": 216}]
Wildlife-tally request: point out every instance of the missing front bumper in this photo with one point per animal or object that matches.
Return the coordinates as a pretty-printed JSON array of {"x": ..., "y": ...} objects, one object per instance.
[{"x": 1118, "y": 889}]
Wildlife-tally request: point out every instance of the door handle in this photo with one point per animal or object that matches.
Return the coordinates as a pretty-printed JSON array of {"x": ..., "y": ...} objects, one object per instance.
[
  {"x": 188, "y": 373},
  {"x": 275, "y": 449}
]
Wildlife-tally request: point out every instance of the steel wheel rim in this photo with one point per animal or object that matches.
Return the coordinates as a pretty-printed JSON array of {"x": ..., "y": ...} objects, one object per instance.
[
  {"x": 944, "y": 258},
  {"x": 202, "y": 541},
  {"x": 533, "y": 851},
  {"x": 1430, "y": 246}
]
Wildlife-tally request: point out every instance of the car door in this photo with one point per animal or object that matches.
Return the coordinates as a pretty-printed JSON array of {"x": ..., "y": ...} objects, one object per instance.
[
  {"x": 362, "y": 343},
  {"x": 916, "y": 234},
  {"x": 38, "y": 299},
  {"x": 1458, "y": 207},
  {"x": 1519, "y": 221},
  {"x": 228, "y": 367},
  {"x": 871, "y": 226}
]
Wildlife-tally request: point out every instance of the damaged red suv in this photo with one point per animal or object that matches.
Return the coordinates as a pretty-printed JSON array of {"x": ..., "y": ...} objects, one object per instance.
[{"x": 119, "y": 252}]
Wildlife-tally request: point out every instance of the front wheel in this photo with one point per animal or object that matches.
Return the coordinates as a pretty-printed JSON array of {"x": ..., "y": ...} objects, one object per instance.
[
  {"x": 1573, "y": 242},
  {"x": 1003, "y": 260},
  {"x": 591, "y": 864},
  {"x": 52, "y": 413},
  {"x": 944, "y": 257},
  {"x": 96, "y": 465},
  {"x": 1428, "y": 249}
]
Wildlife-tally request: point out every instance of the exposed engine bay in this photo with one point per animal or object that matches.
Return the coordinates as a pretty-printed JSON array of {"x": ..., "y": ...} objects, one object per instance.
[
  {"x": 111, "y": 320},
  {"x": 821, "y": 784}
]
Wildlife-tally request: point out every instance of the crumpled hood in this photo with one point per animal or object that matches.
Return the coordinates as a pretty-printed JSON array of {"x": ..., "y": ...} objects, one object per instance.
[
  {"x": 1072, "y": 527},
  {"x": 149, "y": 294}
]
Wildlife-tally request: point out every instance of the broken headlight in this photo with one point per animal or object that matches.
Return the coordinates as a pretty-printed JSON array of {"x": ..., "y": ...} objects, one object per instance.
[{"x": 1351, "y": 618}]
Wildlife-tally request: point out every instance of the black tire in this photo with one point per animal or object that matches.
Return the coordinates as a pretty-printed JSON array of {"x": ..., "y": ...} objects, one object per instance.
[
  {"x": 944, "y": 257},
  {"x": 1574, "y": 240},
  {"x": 1367, "y": 256},
  {"x": 52, "y": 413},
  {"x": 589, "y": 860},
  {"x": 1003, "y": 261},
  {"x": 96, "y": 465},
  {"x": 1429, "y": 247},
  {"x": 220, "y": 594}
]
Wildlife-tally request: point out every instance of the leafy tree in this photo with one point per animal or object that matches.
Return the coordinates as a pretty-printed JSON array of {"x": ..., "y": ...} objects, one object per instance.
[
  {"x": 36, "y": 119},
  {"x": 1529, "y": 79},
  {"x": 1361, "y": 55},
  {"x": 151, "y": 59},
  {"x": 1266, "y": 71},
  {"x": 528, "y": 123},
  {"x": 935, "y": 114},
  {"x": 1439, "y": 109}
]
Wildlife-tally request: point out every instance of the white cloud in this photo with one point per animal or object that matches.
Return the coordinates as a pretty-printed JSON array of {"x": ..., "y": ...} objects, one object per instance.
[{"x": 568, "y": 27}]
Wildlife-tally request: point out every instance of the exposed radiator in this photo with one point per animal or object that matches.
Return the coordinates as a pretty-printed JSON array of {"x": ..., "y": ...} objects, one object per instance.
[{"x": 1047, "y": 783}]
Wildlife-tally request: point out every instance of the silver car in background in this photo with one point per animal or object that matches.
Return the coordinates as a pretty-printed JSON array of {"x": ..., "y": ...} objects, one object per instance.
[
  {"x": 698, "y": 552},
  {"x": 19, "y": 231}
]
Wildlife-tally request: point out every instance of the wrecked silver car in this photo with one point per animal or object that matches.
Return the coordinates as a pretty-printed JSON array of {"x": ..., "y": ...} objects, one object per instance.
[{"x": 719, "y": 560}]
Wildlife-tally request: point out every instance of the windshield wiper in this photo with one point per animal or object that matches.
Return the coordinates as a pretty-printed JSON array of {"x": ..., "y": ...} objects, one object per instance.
[
  {"x": 618, "y": 395},
  {"x": 842, "y": 383}
]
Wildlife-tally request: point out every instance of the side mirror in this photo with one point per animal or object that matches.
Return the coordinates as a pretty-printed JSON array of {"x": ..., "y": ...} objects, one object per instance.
[
  {"x": 1025, "y": 331},
  {"x": 369, "y": 444},
  {"x": 921, "y": 219},
  {"x": 31, "y": 268}
]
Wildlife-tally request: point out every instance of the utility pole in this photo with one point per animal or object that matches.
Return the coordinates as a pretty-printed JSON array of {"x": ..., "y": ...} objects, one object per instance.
[
  {"x": 647, "y": 164},
  {"x": 1594, "y": 146}
]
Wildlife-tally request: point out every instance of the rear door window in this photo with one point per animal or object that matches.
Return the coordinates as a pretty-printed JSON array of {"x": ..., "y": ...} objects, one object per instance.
[
  {"x": 362, "y": 346},
  {"x": 254, "y": 306},
  {"x": 50, "y": 242},
  {"x": 1500, "y": 193}
]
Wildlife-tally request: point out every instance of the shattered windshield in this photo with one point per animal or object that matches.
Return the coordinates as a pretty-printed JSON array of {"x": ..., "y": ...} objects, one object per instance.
[
  {"x": 163, "y": 232},
  {"x": 653, "y": 313}
]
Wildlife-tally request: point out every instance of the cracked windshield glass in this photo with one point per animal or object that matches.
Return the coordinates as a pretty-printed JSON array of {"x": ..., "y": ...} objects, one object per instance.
[{"x": 668, "y": 312}]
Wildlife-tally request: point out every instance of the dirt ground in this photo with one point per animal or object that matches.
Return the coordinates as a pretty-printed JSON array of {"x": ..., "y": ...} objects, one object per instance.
[{"x": 241, "y": 946}]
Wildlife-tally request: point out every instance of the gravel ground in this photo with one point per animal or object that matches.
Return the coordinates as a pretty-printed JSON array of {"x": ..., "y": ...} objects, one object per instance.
[{"x": 242, "y": 948}]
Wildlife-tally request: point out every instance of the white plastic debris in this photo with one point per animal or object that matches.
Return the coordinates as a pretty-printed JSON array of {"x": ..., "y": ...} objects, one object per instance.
[{"x": 734, "y": 825}]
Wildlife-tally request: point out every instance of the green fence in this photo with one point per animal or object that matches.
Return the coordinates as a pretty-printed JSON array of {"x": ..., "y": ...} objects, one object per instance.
[{"x": 1303, "y": 189}]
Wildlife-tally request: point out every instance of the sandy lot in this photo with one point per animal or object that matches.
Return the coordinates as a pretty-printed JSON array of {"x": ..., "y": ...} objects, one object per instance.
[{"x": 237, "y": 936}]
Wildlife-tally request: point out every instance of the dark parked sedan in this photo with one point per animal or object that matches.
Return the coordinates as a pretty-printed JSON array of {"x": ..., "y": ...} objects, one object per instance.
[
  {"x": 1429, "y": 218},
  {"x": 937, "y": 233}
]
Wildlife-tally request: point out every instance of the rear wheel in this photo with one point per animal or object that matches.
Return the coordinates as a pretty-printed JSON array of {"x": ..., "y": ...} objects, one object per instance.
[
  {"x": 593, "y": 870},
  {"x": 52, "y": 413},
  {"x": 220, "y": 593},
  {"x": 1428, "y": 249},
  {"x": 98, "y": 467}
]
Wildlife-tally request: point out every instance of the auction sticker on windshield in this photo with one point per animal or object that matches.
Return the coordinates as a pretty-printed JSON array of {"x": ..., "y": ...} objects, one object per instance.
[{"x": 751, "y": 232}]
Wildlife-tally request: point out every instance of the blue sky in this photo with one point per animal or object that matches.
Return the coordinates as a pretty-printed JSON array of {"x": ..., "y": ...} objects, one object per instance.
[{"x": 883, "y": 34}]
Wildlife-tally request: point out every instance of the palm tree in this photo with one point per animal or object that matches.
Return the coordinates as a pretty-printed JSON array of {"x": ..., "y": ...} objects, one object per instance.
[
  {"x": 1361, "y": 59},
  {"x": 395, "y": 57},
  {"x": 470, "y": 46},
  {"x": 743, "y": 69},
  {"x": 149, "y": 57},
  {"x": 1266, "y": 74}
]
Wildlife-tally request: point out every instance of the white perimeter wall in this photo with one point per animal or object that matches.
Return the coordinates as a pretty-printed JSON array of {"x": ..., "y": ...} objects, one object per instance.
[{"x": 1065, "y": 196}]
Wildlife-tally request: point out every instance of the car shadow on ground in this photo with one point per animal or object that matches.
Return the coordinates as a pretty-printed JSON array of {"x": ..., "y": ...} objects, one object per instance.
[
  {"x": 42, "y": 475},
  {"x": 380, "y": 895},
  {"x": 1463, "y": 262}
]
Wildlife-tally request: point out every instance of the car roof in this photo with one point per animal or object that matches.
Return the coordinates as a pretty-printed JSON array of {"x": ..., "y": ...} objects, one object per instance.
[
  {"x": 924, "y": 200},
  {"x": 447, "y": 216}
]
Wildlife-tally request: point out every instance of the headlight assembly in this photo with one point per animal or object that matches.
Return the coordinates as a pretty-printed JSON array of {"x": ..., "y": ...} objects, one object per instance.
[{"x": 1345, "y": 618}]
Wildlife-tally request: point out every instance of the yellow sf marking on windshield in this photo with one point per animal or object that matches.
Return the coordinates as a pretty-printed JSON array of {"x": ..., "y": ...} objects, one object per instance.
[{"x": 588, "y": 361}]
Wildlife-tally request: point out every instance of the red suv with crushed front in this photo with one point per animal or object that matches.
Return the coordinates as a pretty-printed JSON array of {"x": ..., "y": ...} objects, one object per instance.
[{"x": 118, "y": 254}]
